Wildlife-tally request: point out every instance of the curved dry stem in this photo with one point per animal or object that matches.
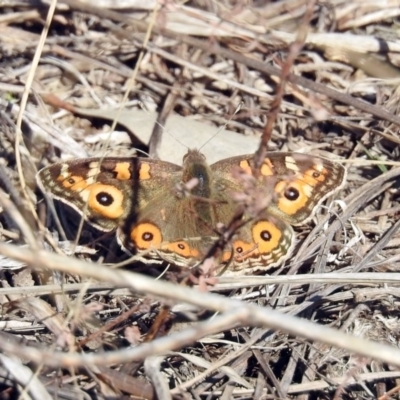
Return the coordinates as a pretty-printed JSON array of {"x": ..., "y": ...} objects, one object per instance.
[{"x": 235, "y": 313}]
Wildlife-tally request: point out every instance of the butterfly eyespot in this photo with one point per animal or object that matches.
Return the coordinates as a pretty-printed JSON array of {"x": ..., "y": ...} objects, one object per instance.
[
  {"x": 75, "y": 183},
  {"x": 239, "y": 249},
  {"x": 292, "y": 193},
  {"x": 266, "y": 236},
  {"x": 294, "y": 197},
  {"x": 147, "y": 236},
  {"x": 313, "y": 176},
  {"x": 181, "y": 248},
  {"x": 105, "y": 199}
]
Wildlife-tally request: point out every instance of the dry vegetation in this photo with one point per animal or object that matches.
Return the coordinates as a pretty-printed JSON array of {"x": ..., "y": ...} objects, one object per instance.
[{"x": 323, "y": 326}]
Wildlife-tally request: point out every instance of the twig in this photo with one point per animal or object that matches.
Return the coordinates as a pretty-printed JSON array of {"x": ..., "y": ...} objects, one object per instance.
[{"x": 236, "y": 313}]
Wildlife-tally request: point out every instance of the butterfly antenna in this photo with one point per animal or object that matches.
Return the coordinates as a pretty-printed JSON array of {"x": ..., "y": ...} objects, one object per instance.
[
  {"x": 238, "y": 108},
  {"x": 142, "y": 152}
]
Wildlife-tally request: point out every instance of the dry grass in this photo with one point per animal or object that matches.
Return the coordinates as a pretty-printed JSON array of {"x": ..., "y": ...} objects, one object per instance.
[{"x": 323, "y": 326}]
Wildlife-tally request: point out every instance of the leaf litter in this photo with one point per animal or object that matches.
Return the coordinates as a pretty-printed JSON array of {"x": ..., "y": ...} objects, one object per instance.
[{"x": 223, "y": 62}]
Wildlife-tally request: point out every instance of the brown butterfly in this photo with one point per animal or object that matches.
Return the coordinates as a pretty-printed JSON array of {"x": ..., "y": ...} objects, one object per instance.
[{"x": 143, "y": 201}]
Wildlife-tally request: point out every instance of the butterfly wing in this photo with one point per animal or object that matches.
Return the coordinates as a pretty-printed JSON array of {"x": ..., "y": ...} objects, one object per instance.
[
  {"x": 139, "y": 198},
  {"x": 287, "y": 192},
  {"x": 105, "y": 191}
]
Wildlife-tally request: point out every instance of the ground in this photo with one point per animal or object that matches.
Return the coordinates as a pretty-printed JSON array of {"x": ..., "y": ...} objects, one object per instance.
[{"x": 81, "y": 319}]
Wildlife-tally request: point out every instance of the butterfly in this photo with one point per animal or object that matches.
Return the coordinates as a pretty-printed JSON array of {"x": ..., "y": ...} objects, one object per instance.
[{"x": 164, "y": 212}]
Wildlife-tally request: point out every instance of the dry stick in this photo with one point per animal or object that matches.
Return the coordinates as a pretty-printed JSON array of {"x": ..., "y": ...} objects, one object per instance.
[
  {"x": 18, "y": 219},
  {"x": 129, "y": 384},
  {"x": 298, "y": 80},
  {"x": 317, "y": 297},
  {"x": 26, "y": 378},
  {"x": 226, "y": 283},
  {"x": 294, "y": 50},
  {"x": 291, "y": 367},
  {"x": 354, "y": 201},
  {"x": 265, "y": 367},
  {"x": 152, "y": 367},
  {"x": 24, "y": 100},
  {"x": 359, "y": 278},
  {"x": 159, "y": 126},
  {"x": 124, "y": 100},
  {"x": 377, "y": 247},
  {"x": 71, "y": 288},
  {"x": 109, "y": 326},
  {"x": 368, "y": 63},
  {"x": 259, "y": 386},
  {"x": 238, "y": 57},
  {"x": 321, "y": 294},
  {"x": 299, "y": 388},
  {"x": 225, "y": 360},
  {"x": 388, "y": 394},
  {"x": 273, "y": 115},
  {"x": 236, "y": 313},
  {"x": 233, "y": 359},
  {"x": 328, "y": 383}
]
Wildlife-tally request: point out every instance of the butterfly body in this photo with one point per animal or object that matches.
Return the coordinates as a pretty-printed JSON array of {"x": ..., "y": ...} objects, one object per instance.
[{"x": 163, "y": 212}]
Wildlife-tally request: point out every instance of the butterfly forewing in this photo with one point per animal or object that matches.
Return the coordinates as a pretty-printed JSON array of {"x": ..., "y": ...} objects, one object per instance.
[{"x": 296, "y": 183}]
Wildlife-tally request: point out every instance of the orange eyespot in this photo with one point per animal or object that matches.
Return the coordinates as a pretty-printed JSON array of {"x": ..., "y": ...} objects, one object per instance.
[
  {"x": 291, "y": 193},
  {"x": 292, "y": 196},
  {"x": 241, "y": 251},
  {"x": 313, "y": 177},
  {"x": 181, "y": 248},
  {"x": 145, "y": 236},
  {"x": 106, "y": 200},
  {"x": 74, "y": 183},
  {"x": 266, "y": 239},
  {"x": 267, "y": 236},
  {"x": 148, "y": 236}
]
